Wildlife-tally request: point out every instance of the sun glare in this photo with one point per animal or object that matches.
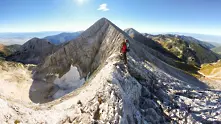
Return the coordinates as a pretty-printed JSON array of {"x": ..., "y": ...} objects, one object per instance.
[{"x": 80, "y": 2}]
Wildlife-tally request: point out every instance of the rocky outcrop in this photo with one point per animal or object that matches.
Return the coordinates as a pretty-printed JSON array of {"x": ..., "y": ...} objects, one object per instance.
[
  {"x": 33, "y": 51},
  {"x": 149, "y": 42},
  {"x": 191, "y": 39},
  {"x": 8, "y": 50}
]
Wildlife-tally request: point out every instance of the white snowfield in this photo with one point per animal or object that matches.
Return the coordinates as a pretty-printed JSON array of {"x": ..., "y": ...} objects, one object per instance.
[
  {"x": 147, "y": 91},
  {"x": 68, "y": 82}
]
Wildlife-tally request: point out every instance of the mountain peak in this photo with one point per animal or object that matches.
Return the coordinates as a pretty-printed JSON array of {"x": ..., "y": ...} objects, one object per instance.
[
  {"x": 131, "y": 31},
  {"x": 101, "y": 21},
  {"x": 33, "y": 51},
  {"x": 103, "y": 18},
  {"x": 98, "y": 42},
  {"x": 34, "y": 38}
]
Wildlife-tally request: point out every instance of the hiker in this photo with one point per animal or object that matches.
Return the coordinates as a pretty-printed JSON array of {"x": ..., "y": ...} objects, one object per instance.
[{"x": 124, "y": 50}]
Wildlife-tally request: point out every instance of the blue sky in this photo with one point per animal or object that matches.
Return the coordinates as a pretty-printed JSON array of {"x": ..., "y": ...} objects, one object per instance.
[{"x": 189, "y": 16}]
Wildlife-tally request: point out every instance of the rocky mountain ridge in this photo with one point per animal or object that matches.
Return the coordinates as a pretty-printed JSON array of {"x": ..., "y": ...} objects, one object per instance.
[
  {"x": 149, "y": 42},
  {"x": 148, "y": 90}
]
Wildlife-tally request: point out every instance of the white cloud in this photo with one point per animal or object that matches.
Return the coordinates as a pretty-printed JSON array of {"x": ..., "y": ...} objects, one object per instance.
[{"x": 103, "y": 7}]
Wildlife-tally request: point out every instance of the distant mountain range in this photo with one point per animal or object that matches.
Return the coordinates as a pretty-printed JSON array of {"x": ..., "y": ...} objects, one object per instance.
[
  {"x": 62, "y": 37},
  {"x": 20, "y": 38},
  {"x": 213, "y": 39},
  {"x": 180, "y": 47},
  {"x": 55, "y": 37},
  {"x": 188, "y": 39},
  {"x": 36, "y": 49}
]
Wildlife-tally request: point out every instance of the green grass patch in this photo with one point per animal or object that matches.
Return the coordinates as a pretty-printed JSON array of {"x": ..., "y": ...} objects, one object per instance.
[{"x": 208, "y": 68}]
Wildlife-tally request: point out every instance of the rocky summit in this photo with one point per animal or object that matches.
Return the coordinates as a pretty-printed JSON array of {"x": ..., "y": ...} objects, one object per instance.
[
  {"x": 85, "y": 81},
  {"x": 32, "y": 52}
]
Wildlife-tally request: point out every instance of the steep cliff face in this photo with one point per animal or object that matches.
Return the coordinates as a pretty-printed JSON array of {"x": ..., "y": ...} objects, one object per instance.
[
  {"x": 32, "y": 52},
  {"x": 87, "y": 52}
]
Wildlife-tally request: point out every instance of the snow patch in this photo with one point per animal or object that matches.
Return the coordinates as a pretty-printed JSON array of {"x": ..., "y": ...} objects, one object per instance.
[{"x": 68, "y": 82}]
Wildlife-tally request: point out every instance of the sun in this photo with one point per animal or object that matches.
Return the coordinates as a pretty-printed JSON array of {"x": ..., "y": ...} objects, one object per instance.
[{"x": 80, "y": 1}]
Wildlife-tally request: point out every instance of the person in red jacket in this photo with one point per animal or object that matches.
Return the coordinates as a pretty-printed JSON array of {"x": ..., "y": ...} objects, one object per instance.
[{"x": 124, "y": 50}]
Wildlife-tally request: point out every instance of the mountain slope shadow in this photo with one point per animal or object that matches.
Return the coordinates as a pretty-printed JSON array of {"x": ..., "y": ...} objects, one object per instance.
[{"x": 144, "y": 53}]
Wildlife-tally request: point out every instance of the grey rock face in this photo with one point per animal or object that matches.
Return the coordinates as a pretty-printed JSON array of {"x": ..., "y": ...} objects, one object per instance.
[
  {"x": 149, "y": 42},
  {"x": 33, "y": 51},
  {"x": 87, "y": 52}
]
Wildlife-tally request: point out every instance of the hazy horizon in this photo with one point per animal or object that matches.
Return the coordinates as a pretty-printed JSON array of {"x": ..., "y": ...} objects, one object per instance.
[
  {"x": 9, "y": 38},
  {"x": 145, "y": 16}
]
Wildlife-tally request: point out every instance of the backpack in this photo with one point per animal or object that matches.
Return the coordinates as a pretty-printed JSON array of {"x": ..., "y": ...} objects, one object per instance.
[{"x": 128, "y": 45}]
